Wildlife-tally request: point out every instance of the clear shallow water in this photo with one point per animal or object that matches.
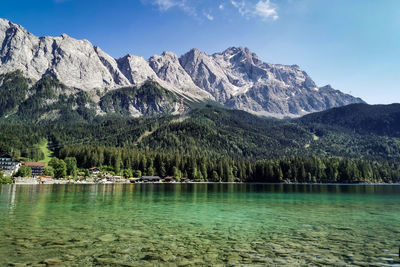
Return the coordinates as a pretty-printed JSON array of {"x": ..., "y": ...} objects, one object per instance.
[{"x": 199, "y": 224}]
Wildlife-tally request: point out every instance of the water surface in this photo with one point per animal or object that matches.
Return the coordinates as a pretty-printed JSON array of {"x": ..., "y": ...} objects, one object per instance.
[{"x": 199, "y": 224}]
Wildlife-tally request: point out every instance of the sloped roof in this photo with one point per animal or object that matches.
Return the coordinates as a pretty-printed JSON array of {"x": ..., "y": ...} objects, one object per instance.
[
  {"x": 151, "y": 177},
  {"x": 34, "y": 164}
]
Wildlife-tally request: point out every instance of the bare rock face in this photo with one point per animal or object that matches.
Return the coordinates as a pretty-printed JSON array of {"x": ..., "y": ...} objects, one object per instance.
[
  {"x": 208, "y": 74},
  {"x": 136, "y": 69},
  {"x": 112, "y": 66},
  {"x": 76, "y": 63},
  {"x": 240, "y": 80},
  {"x": 168, "y": 68},
  {"x": 236, "y": 77}
]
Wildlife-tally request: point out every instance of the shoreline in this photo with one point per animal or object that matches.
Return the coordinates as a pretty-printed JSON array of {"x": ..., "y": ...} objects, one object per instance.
[{"x": 63, "y": 182}]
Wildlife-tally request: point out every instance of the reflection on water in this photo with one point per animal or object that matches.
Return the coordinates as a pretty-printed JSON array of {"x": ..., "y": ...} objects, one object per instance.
[{"x": 199, "y": 224}]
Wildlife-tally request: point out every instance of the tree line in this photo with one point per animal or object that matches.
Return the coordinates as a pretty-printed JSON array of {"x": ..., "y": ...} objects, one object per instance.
[{"x": 217, "y": 168}]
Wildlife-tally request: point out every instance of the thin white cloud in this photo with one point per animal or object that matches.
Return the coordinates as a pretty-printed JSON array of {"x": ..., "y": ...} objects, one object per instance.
[
  {"x": 265, "y": 10},
  {"x": 209, "y": 16},
  {"x": 165, "y": 5},
  {"x": 241, "y": 6}
]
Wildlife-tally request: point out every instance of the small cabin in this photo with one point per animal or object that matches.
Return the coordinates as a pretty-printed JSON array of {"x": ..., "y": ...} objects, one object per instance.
[
  {"x": 134, "y": 180},
  {"x": 150, "y": 179},
  {"x": 169, "y": 179},
  {"x": 184, "y": 180},
  {"x": 94, "y": 170}
]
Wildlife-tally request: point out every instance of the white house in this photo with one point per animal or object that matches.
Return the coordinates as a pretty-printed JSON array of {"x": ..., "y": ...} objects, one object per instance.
[{"x": 9, "y": 165}]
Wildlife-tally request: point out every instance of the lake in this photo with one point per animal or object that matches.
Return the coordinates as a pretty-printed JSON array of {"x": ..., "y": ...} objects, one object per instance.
[{"x": 199, "y": 224}]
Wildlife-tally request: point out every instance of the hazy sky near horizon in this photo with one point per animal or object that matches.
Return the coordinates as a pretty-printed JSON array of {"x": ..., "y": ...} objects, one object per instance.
[{"x": 354, "y": 45}]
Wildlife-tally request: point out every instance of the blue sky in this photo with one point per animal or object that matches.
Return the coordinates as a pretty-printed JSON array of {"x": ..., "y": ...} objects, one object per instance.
[{"x": 354, "y": 45}]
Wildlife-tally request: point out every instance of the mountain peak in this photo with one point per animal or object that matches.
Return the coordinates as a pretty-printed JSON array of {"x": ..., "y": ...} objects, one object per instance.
[
  {"x": 235, "y": 77},
  {"x": 6, "y": 24},
  {"x": 193, "y": 55},
  {"x": 236, "y": 49},
  {"x": 240, "y": 54},
  {"x": 195, "y": 51},
  {"x": 4, "y": 21},
  {"x": 169, "y": 54}
]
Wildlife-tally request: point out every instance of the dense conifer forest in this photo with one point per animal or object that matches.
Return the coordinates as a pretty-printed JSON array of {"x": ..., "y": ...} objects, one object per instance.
[{"x": 219, "y": 168}]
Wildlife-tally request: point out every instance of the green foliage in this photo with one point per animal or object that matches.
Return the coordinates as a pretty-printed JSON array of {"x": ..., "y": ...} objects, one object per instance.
[
  {"x": 48, "y": 171},
  {"x": 127, "y": 173},
  {"x": 231, "y": 132},
  {"x": 72, "y": 167},
  {"x": 176, "y": 173},
  {"x": 208, "y": 134},
  {"x": 45, "y": 154},
  {"x": 59, "y": 166},
  {"x": 5, "y": 180},
  {"x": 13, "y": 90},
  {"x": 221, "y": 168},
  {"x": 382, "y": 120},
  {"x": 86, "y": 172},
  {"x": 47, "y": 100},
  {"x": 355, "y": 143},
  {"x": 21, "y": 140},
  {"x": 23, "y": 171},
  {"x": 146, "y": 97},
  {"x": 137, "y": 173}
]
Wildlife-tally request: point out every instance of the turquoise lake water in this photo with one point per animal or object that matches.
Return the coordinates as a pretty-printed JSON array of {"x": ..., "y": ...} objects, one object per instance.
[{"x": 199, "y": 225}]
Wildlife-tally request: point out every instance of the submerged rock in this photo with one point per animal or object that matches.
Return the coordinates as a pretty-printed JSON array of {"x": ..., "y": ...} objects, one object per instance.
[
  {"x": 53, "y": 262},
  {"x": 108, "y": 238}
]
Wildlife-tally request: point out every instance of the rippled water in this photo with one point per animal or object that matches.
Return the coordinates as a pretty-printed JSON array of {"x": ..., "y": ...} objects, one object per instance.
[{"x": 199, "y": 224}]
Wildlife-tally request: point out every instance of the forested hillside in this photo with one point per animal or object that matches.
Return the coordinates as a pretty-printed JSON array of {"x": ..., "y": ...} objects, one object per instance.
[
  {"x": 48, "y": 100},
  {"x": 383, "y": 120},
  {"x": 217, "y": 137}
]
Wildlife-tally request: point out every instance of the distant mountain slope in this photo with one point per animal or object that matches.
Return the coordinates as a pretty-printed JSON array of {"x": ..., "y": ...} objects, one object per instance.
[
  {"x": 236, "y": 77},
  {"x": 230, "y": 132},
  {"x": 205, "y": 130},
  {"x": 240, "y": 134},
  {"x": 148, "y": 99},
  {"x": 48, "y": 100},
  {"x": 383, "y": 120}
]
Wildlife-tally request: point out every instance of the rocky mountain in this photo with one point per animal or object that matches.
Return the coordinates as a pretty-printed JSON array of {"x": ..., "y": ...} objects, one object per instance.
[
  {"x": 236, "y": 78},
  {"x": 240, "y": 80}
]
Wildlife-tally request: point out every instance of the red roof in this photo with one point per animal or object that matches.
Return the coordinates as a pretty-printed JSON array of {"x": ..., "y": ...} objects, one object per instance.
[{"x": 34, "y": 164}]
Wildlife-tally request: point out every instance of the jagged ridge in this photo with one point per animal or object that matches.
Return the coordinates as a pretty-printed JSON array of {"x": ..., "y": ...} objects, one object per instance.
[{"x": 236, "y": 77}]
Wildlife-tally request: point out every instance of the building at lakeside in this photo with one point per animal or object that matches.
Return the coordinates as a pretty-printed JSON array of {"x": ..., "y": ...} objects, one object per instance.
[
  {"x": 150, "y": 179},
  {"x": 9, "y": 165},
  {"x": 185, "y": 180},
  {"x": 94, "y": 170},
  {"x": 36, "y": 167},
  {"x": 169, "y": 179}
]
